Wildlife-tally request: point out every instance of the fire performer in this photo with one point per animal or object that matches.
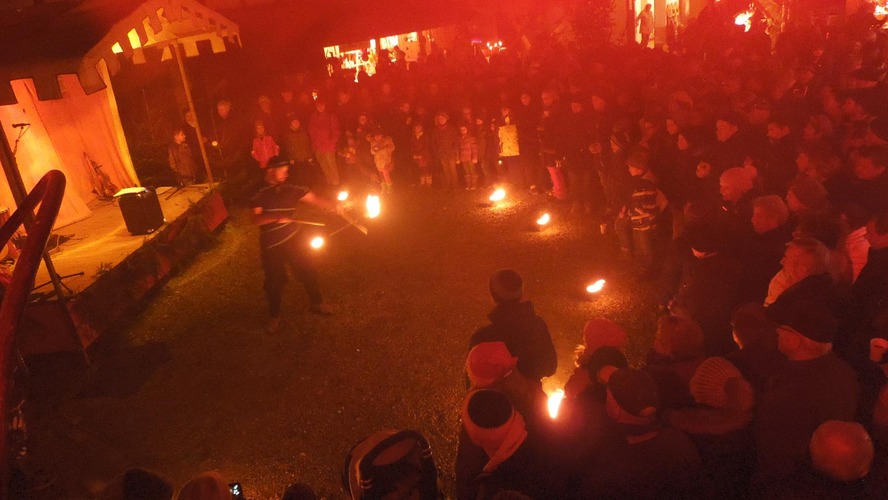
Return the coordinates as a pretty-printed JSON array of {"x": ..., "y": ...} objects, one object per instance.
[{"x": 273, "y": 208}]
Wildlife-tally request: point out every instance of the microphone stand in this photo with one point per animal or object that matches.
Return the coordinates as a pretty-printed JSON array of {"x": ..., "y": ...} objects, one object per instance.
[{"x": 21, "y": 133}]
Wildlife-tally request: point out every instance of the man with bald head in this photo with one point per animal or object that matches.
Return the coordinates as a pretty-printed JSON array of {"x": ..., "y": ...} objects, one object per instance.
[{"x": 841, "y": 459}]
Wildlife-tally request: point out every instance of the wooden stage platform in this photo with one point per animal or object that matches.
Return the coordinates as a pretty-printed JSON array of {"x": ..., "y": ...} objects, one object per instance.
[
  {"x": 101, "y": 241},
  {"x": 108, "y": 271}
]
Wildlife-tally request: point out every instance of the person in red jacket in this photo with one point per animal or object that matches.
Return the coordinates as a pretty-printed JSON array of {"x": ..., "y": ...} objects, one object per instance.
[
  {"x": 264, "y": 146},
  {"x": 323, "y": 128}
]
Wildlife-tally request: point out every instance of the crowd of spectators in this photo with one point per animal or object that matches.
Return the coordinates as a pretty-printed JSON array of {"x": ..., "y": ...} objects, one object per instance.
[{"x": 745, "y": 179}]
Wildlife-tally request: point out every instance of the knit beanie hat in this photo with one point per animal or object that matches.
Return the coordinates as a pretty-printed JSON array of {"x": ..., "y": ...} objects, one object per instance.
[
  {"x": 506, "y": 284},
  {"x": 493, "y": 424},
  {"x": 488, "y": 362},
  {"x": 810, "y": 193},
  {"x": 600, "y": 332},
  {"x": 635, "y": 391},
  {"x": 205, "y": 486},
  {"x": 605, "y": 356},
  {"x": 719, "y": 384},
  {"x": 812, "y": 320}
]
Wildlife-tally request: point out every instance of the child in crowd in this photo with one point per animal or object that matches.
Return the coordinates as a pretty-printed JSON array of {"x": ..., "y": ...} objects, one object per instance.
[
  {"x": 181, "y": 159},
  {"x": 382, "y": 148},
  {"x": 468, "y": 156},
  {"x": 264, "y": 146},
  {"x": 422, "y": 154}
]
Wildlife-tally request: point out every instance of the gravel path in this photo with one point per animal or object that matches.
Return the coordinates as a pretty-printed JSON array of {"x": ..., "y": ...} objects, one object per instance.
[{"x": 194, "y": 383}]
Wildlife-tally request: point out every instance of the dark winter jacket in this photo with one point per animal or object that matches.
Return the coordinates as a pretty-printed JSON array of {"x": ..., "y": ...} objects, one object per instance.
[{"x": 525, "y": 334}]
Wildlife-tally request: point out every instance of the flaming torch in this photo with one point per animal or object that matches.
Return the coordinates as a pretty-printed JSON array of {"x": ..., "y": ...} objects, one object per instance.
[
  {"x": 317, "y": 242},
  {"x": 373, "y": 207},
  {"x": 744, "y": 19},
  {"x": 342, "y": 196},
  {"x": 554, "y": 403},
  {"x": 595, "y": 287},
  {"x": 543, "y": 221},
  {"x": 498, "y": 195}
]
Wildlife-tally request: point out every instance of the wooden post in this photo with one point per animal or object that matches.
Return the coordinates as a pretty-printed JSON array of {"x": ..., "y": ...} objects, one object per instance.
[
  {"x": 10, "y": 168},
  {"x": 177, "y": 54},
  {"x": 19, "y": 192}
]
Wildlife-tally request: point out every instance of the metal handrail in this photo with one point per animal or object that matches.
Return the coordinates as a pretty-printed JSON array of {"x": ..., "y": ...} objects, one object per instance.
[{"x": 48, "y": 194}]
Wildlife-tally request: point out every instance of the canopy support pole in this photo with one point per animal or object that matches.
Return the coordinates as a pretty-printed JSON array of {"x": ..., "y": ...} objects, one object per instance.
[{"x": 177, "y": 54}]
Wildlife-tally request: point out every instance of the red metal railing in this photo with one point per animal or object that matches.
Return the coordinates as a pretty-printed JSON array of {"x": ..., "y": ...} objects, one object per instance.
[{"x": 48, "y": 194}]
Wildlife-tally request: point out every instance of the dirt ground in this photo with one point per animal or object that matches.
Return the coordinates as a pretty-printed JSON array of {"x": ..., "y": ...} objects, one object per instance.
[{"x": 194, "y": 383}]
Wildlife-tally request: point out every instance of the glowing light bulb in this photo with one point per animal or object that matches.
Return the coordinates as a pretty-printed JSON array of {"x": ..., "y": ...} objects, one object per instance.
[{"x": 317, "y": 242}]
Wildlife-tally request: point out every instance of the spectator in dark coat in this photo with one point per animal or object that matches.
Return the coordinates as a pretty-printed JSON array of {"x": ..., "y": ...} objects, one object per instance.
[
  {"x": 514, "y": 322},
  {"x": 640, "y": 459},
  {"x": 867, "y": 185},
  {"x": 445, "y": 148},
  {"x": 813, "y": 386},
  {"x": 777, "y": 167},
  {"x": 718, "y": 425},
  {"x": 758, "y": 358},
  {"x": 762, "y": 252},
  {"x": 736, "y": 188},
  {"x": 496, "y": 453},
  {"x": 677, "y": 352},
  {"x": 731, "y": 148},
  {"x": 871, "y": 288},
  {"x": 708, "y": 289}
]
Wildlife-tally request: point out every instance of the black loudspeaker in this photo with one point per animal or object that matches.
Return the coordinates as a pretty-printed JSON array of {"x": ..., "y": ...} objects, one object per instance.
[{"x": 141, "y": 210}]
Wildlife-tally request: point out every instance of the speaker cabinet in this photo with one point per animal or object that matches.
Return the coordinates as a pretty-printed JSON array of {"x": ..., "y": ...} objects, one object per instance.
[{"x": 141, "y": 210}]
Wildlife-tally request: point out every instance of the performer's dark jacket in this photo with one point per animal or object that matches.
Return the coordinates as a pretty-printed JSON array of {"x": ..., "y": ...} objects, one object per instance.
[{"x": 277, "y": 198}]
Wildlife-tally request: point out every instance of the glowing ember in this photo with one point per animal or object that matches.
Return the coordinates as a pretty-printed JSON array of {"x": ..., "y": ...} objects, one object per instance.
[
  {"x": 554, "y": 403},
  {"x": 498, "y": 195},
  {"x": 373, "y": 207},
  {"x": 317, "y": 242},
  {"x": 544, "y": 219},
  {"x": 744, "y": 19},
  {"x": 595, "y": 287},
  {"x": 342, "y": 196}
]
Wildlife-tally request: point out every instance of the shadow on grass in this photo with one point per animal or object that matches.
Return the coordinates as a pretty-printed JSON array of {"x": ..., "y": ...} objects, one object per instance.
[{"x": 58, "y": 376}]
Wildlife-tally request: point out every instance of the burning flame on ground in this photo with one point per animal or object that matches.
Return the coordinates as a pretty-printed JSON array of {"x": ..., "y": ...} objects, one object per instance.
[
  {"x": 317, "y": 242},
  {"x": 596, "y": 287},
  {"x": 498, "y": 195},
  {"x": 544, "y": 219},
  {"x": 373, "y": 207},
  {"x": 342, "y": 196},
  {"x": 554, "y": 402}
]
